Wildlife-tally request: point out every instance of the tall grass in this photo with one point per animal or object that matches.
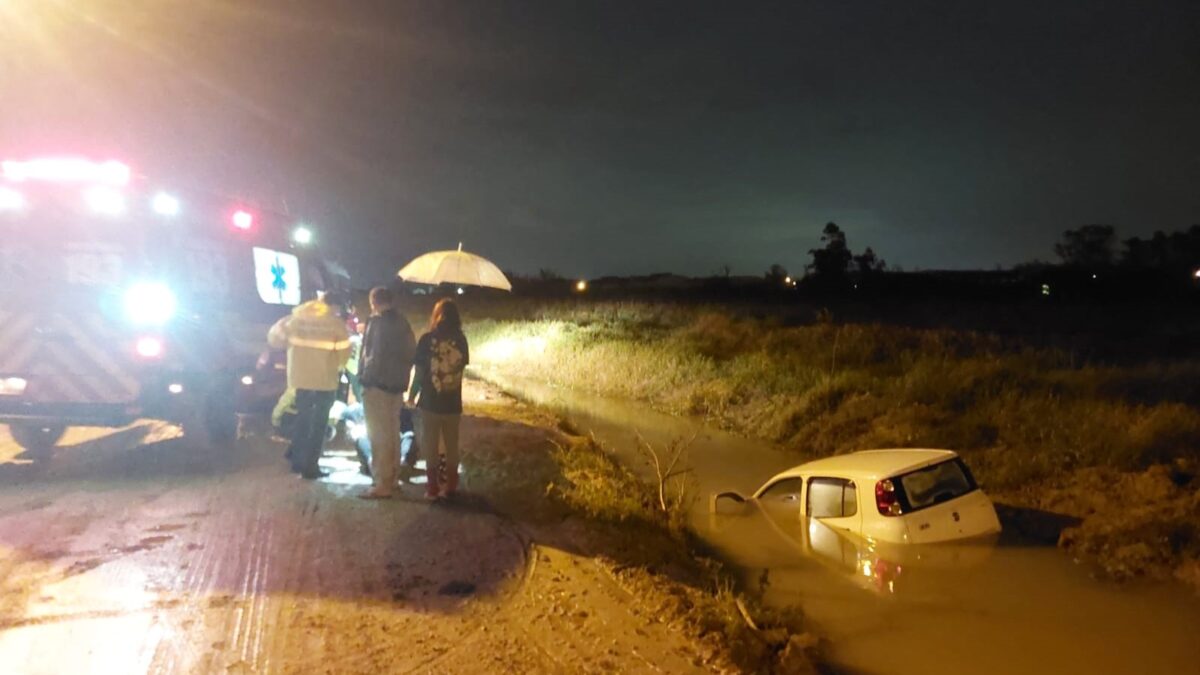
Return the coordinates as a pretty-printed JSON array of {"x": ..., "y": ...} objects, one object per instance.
[{"x": 1021, "y": 414}]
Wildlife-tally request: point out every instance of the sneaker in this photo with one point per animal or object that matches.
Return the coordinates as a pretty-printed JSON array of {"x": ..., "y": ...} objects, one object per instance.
[{"x": 314, "y": 475}]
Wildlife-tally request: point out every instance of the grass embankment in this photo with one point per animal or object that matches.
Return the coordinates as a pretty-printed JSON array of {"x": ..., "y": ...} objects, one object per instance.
[
  {"x": 1036, "y": 427},
  {"x": 575, "y": 496}
]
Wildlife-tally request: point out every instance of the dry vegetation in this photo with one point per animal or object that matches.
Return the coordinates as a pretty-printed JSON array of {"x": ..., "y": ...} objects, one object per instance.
[
  {"x": 576, "y": 496},
  {"x": 1027, "y": 419}
]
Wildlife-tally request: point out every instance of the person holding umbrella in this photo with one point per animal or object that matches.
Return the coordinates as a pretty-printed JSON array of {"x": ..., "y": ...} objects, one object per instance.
[
  {"x": 384, "y": 369},
  {"x": 442, "y": 356}
]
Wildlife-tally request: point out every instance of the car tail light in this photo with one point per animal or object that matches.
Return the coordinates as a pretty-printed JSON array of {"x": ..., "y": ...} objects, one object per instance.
[
  {"x": 149, "y": 348},
  {"x": 886, "y": 499}
]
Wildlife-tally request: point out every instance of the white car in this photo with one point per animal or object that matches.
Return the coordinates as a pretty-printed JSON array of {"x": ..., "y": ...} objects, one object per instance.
[{"x": 897, "y": 496}]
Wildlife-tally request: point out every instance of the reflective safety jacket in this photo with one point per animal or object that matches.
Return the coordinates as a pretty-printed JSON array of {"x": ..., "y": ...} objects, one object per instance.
[{"x": 318, "y": 346}]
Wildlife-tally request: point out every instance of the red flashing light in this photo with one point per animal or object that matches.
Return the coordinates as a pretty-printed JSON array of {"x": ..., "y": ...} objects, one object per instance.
[
  {"x": 149, "y": 348},
  {"x": 243, "y": 220}
]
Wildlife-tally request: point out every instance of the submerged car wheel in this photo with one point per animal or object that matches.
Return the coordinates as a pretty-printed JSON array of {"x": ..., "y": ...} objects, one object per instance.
[{"x": 37, "y": 438}]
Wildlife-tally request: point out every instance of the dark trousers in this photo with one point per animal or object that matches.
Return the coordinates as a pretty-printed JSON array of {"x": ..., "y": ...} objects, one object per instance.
[{"x": 308, "y": 434}]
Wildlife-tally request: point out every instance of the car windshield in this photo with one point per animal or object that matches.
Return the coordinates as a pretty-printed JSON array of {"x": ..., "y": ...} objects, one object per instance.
[{"x": 935, "y": 484}]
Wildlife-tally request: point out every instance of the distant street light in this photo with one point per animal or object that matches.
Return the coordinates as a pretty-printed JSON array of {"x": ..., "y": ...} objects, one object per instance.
[
  {"x": 1196, "y": 274},
  {"x": 302, "y": 235},
  {"x": 581, "y": 285}
]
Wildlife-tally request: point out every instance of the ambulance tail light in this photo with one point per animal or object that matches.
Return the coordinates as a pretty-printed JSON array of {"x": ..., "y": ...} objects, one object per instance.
[{"x": 149, "y": 348}]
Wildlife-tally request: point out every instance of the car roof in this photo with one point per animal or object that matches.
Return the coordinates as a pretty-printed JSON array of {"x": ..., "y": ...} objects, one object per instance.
[{"x": 870, "y": 464}]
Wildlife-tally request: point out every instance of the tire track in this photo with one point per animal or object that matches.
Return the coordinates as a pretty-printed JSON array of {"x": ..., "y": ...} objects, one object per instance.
[
  {"x": 529, "y": 563},
  {"x": 201, "y": 568}
]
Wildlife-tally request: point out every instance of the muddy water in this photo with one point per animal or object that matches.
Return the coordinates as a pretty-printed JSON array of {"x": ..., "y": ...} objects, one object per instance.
[{"x": 993, "y": 608}]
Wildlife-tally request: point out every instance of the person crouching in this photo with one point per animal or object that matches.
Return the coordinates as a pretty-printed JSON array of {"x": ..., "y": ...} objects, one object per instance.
[{"x": 387, "y": 357}]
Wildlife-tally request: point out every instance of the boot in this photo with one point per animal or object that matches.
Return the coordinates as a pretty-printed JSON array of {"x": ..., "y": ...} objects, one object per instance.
[{"x": 433, "y": 480}]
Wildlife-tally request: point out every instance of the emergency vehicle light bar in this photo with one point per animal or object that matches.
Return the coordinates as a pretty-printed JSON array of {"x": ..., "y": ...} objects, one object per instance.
[{"x": 67, "y": 170}]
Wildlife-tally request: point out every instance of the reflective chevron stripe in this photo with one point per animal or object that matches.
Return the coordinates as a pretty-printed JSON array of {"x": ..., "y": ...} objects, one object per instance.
[
  {"x": 68, "y": 359},
  {"x": 328, "y": 345}
]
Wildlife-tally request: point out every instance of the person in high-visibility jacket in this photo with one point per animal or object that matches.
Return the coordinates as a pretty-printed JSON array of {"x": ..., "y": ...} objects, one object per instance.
[{"x": 318, "y": 346}]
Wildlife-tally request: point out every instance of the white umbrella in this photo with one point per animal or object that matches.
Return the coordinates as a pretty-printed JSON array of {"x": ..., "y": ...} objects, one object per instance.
[{"x": 454, "y": 267}]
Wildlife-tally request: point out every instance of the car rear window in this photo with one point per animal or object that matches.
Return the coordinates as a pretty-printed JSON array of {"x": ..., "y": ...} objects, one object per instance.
[{"x": 935, "y": 484}]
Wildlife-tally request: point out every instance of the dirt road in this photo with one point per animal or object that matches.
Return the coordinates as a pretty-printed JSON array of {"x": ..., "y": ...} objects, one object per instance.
[{"x": 131, "y": 552}]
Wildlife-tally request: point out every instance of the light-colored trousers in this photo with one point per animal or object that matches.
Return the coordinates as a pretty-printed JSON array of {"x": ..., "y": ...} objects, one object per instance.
[
  {"x": 383, "y": 429},
  {"x": 435, "y": 427}
]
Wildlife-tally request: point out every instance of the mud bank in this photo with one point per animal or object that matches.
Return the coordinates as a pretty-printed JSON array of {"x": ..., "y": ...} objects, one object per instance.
[
  {"x": 571, "y": 495},
  {"x": 1131, "y": 525}
]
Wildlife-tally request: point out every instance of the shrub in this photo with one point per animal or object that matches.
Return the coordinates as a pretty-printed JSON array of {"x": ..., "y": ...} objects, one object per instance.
[{"x": 1022, "y": 414}]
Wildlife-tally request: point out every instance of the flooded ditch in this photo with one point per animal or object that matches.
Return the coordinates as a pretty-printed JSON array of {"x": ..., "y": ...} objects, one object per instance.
[{"x": 1012, "y": 606}]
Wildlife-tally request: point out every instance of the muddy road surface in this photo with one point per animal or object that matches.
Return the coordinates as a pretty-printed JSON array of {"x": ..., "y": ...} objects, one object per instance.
[{"x": 132, "y": 552}]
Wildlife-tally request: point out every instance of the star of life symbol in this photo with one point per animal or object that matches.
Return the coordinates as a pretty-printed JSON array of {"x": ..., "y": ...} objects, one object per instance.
[
  {"x": 278, "y": 276},
  {"x": 279, "y": 283}
]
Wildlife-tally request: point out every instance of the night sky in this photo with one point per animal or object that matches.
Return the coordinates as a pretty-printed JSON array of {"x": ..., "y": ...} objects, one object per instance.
[{"x": 634, "y": 137}]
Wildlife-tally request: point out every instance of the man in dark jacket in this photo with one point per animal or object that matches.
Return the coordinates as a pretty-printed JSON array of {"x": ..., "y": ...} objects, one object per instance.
[{"x": 384, "y": 368}]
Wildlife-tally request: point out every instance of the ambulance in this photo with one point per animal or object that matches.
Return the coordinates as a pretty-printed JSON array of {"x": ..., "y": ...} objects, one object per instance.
[{"x": 123, "y": 299}]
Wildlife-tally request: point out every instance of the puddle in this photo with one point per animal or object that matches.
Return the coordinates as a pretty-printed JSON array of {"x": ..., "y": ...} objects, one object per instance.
[
  {"x": 984, "y": 609},
  {"x": 145, "y": 544},
  {"x": 457, "y": 589},
  {"x": 82, "y": 567}
]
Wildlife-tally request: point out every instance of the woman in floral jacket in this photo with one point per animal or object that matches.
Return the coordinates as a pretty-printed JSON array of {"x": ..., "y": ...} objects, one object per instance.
[{"x": 442, "y": 356}]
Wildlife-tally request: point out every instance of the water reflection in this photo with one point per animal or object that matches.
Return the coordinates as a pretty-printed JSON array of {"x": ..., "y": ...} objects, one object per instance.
[{"x": 981, "y": 607}]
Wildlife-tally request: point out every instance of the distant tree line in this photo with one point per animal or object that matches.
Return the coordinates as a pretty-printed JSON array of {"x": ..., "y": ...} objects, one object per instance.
[
  {"x": 834, "y": 262},
  {"x": 1096, "y": 247}
]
